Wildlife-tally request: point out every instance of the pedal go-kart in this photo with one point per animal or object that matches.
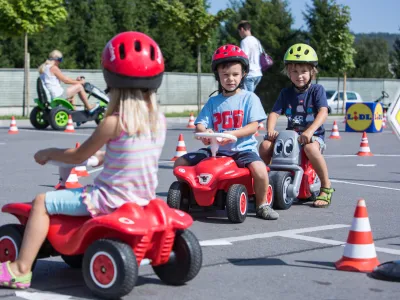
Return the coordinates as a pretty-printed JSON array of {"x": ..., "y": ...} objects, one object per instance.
[
  {"x": 55, "y": 112},
  {"x": 292, "y": 175},
  {"x": 215, "y": 183},
  {"x": 109, "y": 249}
]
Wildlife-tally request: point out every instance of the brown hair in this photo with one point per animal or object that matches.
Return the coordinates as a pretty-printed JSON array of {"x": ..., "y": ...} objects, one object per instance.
[
  {"x": 244, "y": 24},
  {"x": 313, "y": 69},
  {"x": 230, "y": 63}
]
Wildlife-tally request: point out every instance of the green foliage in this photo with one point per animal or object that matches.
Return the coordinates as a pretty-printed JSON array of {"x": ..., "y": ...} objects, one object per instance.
[
  {"x": 330, "y": 36},
  {"x": 29, "y": 16},
  {"x": 372, "y": 59},
  {"x": 395, "y": 58}
]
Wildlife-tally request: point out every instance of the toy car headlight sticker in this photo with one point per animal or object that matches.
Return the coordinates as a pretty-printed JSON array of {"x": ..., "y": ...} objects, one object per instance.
[
  {"x": 278, "y": 147},
  {"x": 126, "y": 221},
  {"x": 288, "y": 147},
  {"x": 204, "y": 179}
]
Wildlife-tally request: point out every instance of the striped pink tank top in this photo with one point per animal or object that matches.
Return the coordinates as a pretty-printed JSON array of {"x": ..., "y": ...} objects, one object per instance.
[{"x": 129, "y": 173}]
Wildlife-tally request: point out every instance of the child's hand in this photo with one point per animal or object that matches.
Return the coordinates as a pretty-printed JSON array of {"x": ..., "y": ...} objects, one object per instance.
[
  {"x": 223, "y": 141},
  {"x": 305, "y": 137},
  {"x": 42, "y": 156},
  {"x": 271, "y": 136},
  {"x": 206, "y": 141}
]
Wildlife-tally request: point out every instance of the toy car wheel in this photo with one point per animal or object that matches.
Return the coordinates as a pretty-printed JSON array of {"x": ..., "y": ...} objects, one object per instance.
[
  {"x": 178, "y": 196},
  {"x": 38, "y": 118},
  {"x": 185, "y": 262},
  {"x": 237, "y": 203},
  {"x": 74, "y": 261},
  {"x": 59, "y": 118},
  {"x": 10, "y": 242},
  {"x": 282, "y": 180},
  {"x": 110, "y": 269},
  {"x": 314, "y": 195},
  {"x": 99, "y": 118}
]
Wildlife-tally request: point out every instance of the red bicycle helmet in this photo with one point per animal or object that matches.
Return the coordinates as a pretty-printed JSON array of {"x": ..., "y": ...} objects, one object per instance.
[
  {"x": 132, "y": 60},
  {"x": 229, "y": 53}
]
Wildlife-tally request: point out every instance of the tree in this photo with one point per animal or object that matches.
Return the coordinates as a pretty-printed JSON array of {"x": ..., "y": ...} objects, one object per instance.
[
  {"x": 27, "y": 17},
  {"x": 330, "y": 35},
  {"x": 195, "y": 24},
  {"x": 395, "y": 58},
  {"x": 372, "y": 59}
]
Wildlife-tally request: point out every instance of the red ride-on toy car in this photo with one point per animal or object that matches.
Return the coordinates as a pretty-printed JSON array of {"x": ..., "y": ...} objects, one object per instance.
[
  {"x": 214, "y": 183},
  {"x": 292, "y": 174},
  {"x": 110, "y": 248}
]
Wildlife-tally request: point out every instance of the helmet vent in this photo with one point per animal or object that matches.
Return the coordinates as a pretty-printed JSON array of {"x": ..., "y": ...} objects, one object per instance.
[
  {"x": 291, "y": 51},
  {"x": 299, "y": 48},
  {"x": 306, "y": 52},
  {"x": 122, "y": 51},
  {"x": 217, "y": 52},
  {"x": 138, "y": 46},
  {"x": 152, "y": 53}
]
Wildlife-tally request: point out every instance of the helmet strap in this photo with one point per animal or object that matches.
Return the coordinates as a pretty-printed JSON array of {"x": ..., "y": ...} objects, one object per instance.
[{"x": 304, "y": 88}]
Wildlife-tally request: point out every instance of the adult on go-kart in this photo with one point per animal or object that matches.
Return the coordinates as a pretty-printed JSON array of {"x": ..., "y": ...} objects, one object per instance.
[
  {"x": 127, "y": 227},
  {"x": 306, "y": 103},
  {"x": 51, "y": 76},
  {"x": 236, "y": 112}
]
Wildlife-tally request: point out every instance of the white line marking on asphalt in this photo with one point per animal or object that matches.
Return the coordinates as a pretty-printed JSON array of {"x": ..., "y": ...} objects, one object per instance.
[
  {"x": 367, "y": 185},
  {"x": 220, "y": 242},
  {"x": 362, "y": 165},
  {"x": 2, "y": 143},
  {"x": 55, "y": 132},
  {"x": 41, "y": 296},
  {"x": 355, "y": 155},
  {"x": 95, "y": 170}
]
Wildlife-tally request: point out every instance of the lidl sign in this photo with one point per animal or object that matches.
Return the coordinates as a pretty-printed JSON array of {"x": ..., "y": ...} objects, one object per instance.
[
  {"x": 394, "y": 114},
  {"x": 366, "y": 116}
]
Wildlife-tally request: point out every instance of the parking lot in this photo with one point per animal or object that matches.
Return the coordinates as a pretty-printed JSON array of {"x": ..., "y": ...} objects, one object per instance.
[{"x": 291, "y": 258}]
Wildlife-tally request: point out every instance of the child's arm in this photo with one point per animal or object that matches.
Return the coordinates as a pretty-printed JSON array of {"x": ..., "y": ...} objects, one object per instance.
[
  {"x": 306, "y": 136},
  {"x": 271, "y": 123},
  {"x": 104, "y": 132}
]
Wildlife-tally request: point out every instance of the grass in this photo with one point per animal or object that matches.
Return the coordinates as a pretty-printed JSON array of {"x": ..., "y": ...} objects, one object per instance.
[
  {"x": 180, "y": 114},
  {"x": 8, "y": 117}
]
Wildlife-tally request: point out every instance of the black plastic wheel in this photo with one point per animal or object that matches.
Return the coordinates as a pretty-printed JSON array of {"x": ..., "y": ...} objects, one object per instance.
[
  {"x": 58, "y": 118},
  {"x": 38, "y": 118},
  {"x": 237, "y": 203},
  {"x": 186, "y": 261},
  {"x": 74, "y": 261},
  {"x": 99, "y": 117},
  {"x": 110, "y": 269},
  {"x": 282, "y": 180},
  {"x": 314, "y": 195},
  {"x": 178, "y": 196}
]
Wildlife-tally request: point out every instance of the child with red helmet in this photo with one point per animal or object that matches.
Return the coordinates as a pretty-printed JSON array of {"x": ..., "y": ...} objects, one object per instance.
[
  {"x": 133, "y": 131},
  {"x": 236, "y": 112}
]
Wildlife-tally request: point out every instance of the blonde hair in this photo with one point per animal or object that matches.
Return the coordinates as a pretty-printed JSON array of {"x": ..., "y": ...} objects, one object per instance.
[
  {"x": 313, "y": 69},
  {"x": 138, "y": 110},
  {"x": 53, "y": 56}
]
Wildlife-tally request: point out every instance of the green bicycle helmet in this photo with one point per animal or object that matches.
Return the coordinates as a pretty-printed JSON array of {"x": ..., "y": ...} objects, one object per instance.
[{"x": 301, "y": 53}]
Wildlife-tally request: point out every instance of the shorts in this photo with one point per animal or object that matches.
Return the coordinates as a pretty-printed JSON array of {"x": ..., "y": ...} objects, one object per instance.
[
  {"x": 66, "y": 202},
  {"x": 242, "y": 158}
]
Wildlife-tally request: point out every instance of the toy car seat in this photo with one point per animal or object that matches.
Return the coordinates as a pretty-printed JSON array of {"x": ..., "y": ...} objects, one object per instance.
[{"x": 43, "y": 93}]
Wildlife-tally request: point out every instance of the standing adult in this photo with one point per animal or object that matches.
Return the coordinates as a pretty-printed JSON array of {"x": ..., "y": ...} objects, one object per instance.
[{"x": 252, "y": 47}]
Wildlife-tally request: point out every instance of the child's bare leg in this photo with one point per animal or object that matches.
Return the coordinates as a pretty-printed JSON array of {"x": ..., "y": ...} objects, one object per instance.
[
  {"x": 259, "y": 173},
  {"x": 266, "y": 151},
  {"x": 318, "y": 162},
  {"x": 180, "y": 161},
  {"x": 34, "y": 236}
]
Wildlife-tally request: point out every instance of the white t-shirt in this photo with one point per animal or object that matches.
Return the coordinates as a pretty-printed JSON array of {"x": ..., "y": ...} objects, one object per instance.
[
  {"x": 51, "y": 82},
  {"x": 251, "y": 46}
]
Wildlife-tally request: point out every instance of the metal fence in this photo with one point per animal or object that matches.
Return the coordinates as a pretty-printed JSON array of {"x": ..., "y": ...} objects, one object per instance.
[{"x": 177, "y": 88}]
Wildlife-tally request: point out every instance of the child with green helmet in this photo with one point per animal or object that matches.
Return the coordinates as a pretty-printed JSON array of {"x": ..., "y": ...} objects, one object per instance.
[{"x": 303, "y": 103}]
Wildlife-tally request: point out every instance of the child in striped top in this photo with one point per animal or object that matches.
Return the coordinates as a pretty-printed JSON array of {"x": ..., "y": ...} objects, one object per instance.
[{"x": 133, "y": 131}]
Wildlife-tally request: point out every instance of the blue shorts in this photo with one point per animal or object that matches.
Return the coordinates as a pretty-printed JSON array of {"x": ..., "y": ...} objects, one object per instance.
[
  {"x": 242, "y": 158},
  {"x": 66, "y": 202}
]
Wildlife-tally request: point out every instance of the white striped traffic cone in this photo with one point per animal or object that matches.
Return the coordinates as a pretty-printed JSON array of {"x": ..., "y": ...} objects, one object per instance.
[
  {"x": 261, "y": 126},
  {"x": 364, "y": 146},
  {"x": 359, "y": 253},
  {"x": 70, "y": 125},
  {"x": 384, "y": 120},
  {"x": 180, "y": 148},
  {"x": 335, "y": 132},
  {"x": 13, "y": 126},
  {"x": 81, "y": 171},
  {"x": 191, "y": 122},
  {"x": 71, "y": 182}
]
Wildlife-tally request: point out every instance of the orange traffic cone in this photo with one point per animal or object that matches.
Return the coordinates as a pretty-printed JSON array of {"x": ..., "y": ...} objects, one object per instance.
[
  {"x": 256, "y": 134},
  {"x": 261, "y": 126},
  {"x": 81, "y": 171},
  {"x": 191, "y": 122},
  {"x": 335, "y": 131},
  {"x": 180, "y": 148},
  {"x": 70, "y": 125},
  {"x": 13, "y": 126},
  {"x": 384, "y": 120},
  {"x": 359, "y": 253},
  {"x": 364, "y": 147},
  {"x": 71, "y": 182}
]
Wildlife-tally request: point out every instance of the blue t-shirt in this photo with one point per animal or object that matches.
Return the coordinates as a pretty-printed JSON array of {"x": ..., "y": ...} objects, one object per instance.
[
  {"x": 303, "y": 106},
  {"x": 222, "y": 113}
]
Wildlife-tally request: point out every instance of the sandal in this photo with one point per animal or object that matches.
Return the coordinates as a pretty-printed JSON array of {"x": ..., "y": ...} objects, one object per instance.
[
  {"x": 8, "y": 279},
  {"x": 326, "y": 198}
]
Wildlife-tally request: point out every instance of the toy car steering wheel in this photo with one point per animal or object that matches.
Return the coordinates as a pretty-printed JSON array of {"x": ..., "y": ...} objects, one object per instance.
[{"x": 214, "y": 139}]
